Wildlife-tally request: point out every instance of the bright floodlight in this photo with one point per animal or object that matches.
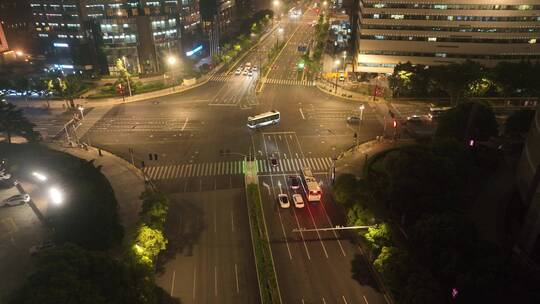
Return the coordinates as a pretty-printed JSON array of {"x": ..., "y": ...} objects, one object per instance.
[
  {"x": 171, "y": 60},
  {"x": 280, "y": 30},
  {"x": 56, "y": 196},
  {"x": 41, "y": 177},
  {"x": 276, "y": 2},
  {"x": 19, "y": 53},
  {"x": 325, "y": 3},
  {"x": 337, "y": 62}
]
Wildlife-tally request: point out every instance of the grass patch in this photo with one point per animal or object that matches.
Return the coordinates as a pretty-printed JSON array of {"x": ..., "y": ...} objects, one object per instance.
[{"x": 263, "y": 255}]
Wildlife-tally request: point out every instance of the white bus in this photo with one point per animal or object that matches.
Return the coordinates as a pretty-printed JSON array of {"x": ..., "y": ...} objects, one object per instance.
[
  {"x": 312, "y": 188},
  {"x": 264, "y": 119}
]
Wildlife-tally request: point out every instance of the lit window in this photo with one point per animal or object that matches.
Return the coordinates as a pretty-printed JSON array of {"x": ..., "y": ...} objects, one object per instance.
[
  {"x": 397, "y": 17},
  {"x": 440, "y": 55},
  {"x": 432, "y": 39},
  {"x": 376, "y": 16},
  {"x": 532, "y": 41},
  {"x": 379, "y": 37},
  {"x": 379, "y": 5},
  {"x": 440, "y": 6},
  {"x": 450, "y": 18}
]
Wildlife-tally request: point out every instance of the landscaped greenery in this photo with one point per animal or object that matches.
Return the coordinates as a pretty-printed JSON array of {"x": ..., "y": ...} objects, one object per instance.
[
  {"x": 14, "y": 123},
  {"x": 263, "y": 255},
  {"x": 466, "y": 121},
  {"x": 89, "y": 264},
  {"x": 425, "y": 190},
  {"x": 459, "y": 81}
]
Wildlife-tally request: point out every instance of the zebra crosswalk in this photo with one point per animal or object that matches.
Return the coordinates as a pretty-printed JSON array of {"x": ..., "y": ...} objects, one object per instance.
[
  {"x": 291, "y": 82},
  {"x": 176, "y": 171}
]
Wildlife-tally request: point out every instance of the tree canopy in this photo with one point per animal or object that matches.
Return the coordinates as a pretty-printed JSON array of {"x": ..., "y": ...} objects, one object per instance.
[
  {"x": 470, "y": 120},
  {"x": 13, "y": 122},
  {"x": 519, "y": 122},
  {"x": 70, "y": 274}
]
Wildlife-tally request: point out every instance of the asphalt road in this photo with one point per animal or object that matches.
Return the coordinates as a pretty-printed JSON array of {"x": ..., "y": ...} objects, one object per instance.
[{"x": 210, "y": 259}]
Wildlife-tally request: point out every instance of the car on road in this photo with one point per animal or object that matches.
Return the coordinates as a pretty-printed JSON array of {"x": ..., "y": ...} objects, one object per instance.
[
  {"x": 250, "y": 73},
  {"x": 15, "y": 200},
  {"x": 46, "y": 245},
  {"x": 245, "y": 72},
  {"x": 353, "y": 119},
  {"x": 298, "y": 200},
  {"x": 295, "y": 182},
  {"x": 341, "y": 77},
  {"x": 283, "y": 200},
  {"x": 238, "y": 71},
  {"x": 254, "y": 69},
  {"x": 415, "y": 119},
  {"x": 274, "y": 162}
]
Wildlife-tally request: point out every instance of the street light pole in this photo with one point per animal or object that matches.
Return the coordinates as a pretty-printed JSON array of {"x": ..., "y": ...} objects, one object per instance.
[
  {"x": 336, "y": 65},
  {"x": 358, "y": 128},
  {"x": 127, "y": 76}
]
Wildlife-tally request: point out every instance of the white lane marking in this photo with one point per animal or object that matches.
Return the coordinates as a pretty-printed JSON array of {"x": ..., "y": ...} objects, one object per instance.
[
  {"x": 194, "y": 281},
  {"x": 344, "y": 300},
  {"x": 365, "y": 299},
  {"x": 323, "y": 300},
  {"x": 301, "y": 113},
  {"x": 281, "y": 222},
  {"x": 215, "y": 281},
  {"x": 185, "y": 123},
  {"x": 215, "y": 222},
  {"x": 236, "y": 274},
  {"x": 232, "y": 221},
  {"x": 172, "y": 282}
]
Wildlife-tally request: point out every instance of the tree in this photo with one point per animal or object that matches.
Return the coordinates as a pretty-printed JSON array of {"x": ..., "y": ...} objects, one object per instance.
[
  {"x": 519, "y": 122},
  {"x": 68, "y": 88},
  {"x": 378, "y": 236},
  {"x": 13, "y": 122},
  {"x": 150, "y": 242},
  {"x": 444, "y": 243},
  {"x": 344, "y": 189},
  {"x": 394, "y": 265},
  {"x": 455, "y": 78},
  {"x": 470, "y": 120},
  {"x": 70, "y": 274},
  {"x": 155, "y": 206}
]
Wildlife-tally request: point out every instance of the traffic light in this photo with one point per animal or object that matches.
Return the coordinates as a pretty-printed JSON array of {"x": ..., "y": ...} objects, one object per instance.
[{"x": 394, "y": 123}]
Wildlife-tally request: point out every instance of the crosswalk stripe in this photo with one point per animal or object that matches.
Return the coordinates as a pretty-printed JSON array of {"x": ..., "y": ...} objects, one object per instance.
[
  {"x": 175, "y": 171},
  {"x": 214, "y": 168},
  {"x": 312, "y": 163},
  {"x": 199, "y": 169},
  {"x": 219, "y": 168},
  {"x": 181, "y": 171},
  {"x": 158, "y": 172},
  {"x": 328, "y": 162},
  {"x": 169, "y": 172},
  {"x": 206, "y": 169},
  {"x": 321, "y": 165}
]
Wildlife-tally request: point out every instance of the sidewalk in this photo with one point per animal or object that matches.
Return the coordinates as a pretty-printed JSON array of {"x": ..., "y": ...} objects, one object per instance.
[{"x": 126, "y": 181}]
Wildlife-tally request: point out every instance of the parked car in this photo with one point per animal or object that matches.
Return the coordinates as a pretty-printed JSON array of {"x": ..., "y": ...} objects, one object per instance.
[
  {"x": 245, "y": 72},
  {"x": 283, "y": 200},
  {"x": 16, "y": 200},
  {"x": 353, "y": 119},
  {"x": 46, "y": 245},
  {"x": 274, "y": 162},
  {"x": 238, "y": 71},
  {"x": 254, "y": 69},
  {"x": 295, "y": 182},
  {"x": 250, "y": 73},
  {"x": 415, "y": 119},
  {"x": 298, "y": 200}
]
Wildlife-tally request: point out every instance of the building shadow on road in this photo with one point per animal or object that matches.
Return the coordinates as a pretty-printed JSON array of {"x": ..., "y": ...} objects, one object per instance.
[
  {"x": 185, "y": 222},
  {"x": 362, "y": 273}
]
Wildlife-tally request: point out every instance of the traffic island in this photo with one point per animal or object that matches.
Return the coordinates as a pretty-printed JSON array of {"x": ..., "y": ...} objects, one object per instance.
[{"x": 264, "y": 261}]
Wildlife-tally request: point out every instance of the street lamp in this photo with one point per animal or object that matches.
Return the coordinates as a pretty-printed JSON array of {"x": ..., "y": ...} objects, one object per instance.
[
  {"x": 124, "y": 59},
  {"x": 81, "y": 109},
  {"x": 280, "y": 32},
  {"x": 344, "y": 59},
  {"x": 56, "y": 196},
  {"x": 171, "y": 60},
  {"x": 336, "y": 65}
]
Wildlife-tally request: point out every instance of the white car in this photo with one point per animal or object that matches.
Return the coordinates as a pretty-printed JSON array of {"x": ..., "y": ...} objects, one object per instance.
[
  {"x": 238, "y": 71},
  {"x": 298, "y": 200},
  {"x": 245, "y": 72},
  {"x": 250, "y": 73},
  {"x": 4, "y": 175},
  {"x": 284, "y": 201},
  {"x": 254, "y": 69},
  {"x": 41, "y": 247},
  {"x": 16, "y": 200}
]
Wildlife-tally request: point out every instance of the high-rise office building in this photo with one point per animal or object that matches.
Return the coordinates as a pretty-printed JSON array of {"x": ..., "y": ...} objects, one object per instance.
[
  {"x": 16, "y": 19},
  {"x": 95, "y": 34},
  {"x": 440, "y": 32}
]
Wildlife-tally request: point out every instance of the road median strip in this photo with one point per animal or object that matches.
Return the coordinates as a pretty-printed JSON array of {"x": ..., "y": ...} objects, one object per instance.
[{"x": 266, "y": 274}]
